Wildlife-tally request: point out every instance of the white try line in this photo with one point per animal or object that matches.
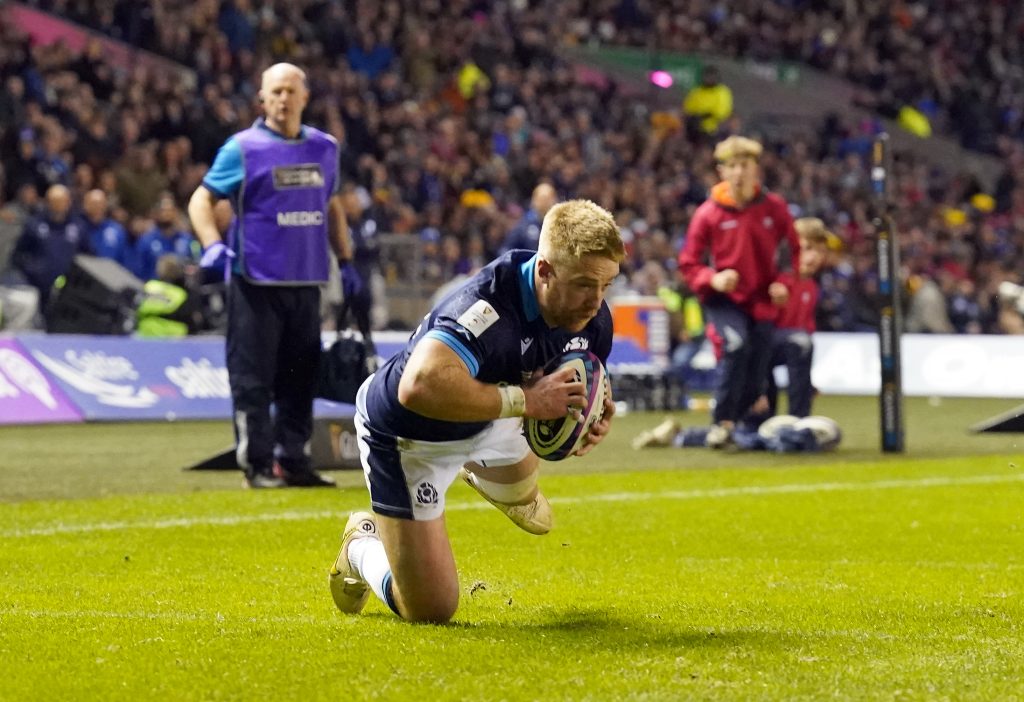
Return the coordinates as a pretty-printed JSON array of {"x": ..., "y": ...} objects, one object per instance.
[
  {"x": 698, "y": 494},
  {"x": 172, "y": 616}
]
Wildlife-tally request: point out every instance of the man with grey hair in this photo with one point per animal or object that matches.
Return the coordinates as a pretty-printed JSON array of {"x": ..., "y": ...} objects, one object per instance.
[
  {"x": 49, "y": 242},
  {"x": 106, "y": 236}
]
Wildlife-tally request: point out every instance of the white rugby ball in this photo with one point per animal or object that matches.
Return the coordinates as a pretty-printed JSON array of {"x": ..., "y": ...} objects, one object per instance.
[
  {"x": 770, "y": 427},
  {"x": 555, "y": 439},
  {"x": 825, "y": 429}
]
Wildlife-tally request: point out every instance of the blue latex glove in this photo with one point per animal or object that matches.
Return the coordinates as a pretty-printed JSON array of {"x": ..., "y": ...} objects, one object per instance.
[
  {"x": 351, "y": 281},
  {"x": 216, "y": 256}
]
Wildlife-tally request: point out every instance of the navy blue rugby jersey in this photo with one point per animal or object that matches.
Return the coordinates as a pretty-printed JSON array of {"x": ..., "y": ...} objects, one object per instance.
[{"x": 494, "y": 324}]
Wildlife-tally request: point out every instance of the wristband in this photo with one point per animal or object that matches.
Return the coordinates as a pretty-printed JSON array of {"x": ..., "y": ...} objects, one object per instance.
[{"x": 513, "y": 401}]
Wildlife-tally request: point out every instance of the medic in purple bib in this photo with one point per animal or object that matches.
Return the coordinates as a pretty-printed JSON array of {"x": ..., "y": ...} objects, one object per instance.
[{"x": 281, "y": 177}]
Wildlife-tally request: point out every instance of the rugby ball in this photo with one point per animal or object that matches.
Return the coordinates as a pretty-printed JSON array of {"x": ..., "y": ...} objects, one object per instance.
[
  {"x": 555, "y": 439},
  {"x": 826, "y": 431},
  {"x": 770, "y": 427}
]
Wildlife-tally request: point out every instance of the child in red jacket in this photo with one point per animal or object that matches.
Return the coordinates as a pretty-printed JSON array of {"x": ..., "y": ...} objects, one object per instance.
[
  {"x": 791, "y": 340},
  {"x": 791, "y": 346},
  {"x": 729, "y": 261}
]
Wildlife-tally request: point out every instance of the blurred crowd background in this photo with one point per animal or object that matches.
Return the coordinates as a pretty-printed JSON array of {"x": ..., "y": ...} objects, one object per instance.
[{"x": 451, "y": 113}]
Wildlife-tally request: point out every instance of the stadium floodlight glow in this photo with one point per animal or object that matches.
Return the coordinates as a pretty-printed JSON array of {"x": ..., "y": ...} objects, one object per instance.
[{"x": 662, "y": 79}]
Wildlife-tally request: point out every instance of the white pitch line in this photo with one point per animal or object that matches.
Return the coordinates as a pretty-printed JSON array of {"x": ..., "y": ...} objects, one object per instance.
[
  {"x": 214, "y": 617},
  {"x": 797, "y": 488},
  {"x": 710, "y": 493}
]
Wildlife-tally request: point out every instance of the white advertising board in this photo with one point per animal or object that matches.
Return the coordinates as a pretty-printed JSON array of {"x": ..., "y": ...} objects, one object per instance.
[{"x": 943, "y": 365}]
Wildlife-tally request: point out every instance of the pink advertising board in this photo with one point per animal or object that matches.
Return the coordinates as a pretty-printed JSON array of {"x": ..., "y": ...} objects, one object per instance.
[{"x": 27, "y": 395}]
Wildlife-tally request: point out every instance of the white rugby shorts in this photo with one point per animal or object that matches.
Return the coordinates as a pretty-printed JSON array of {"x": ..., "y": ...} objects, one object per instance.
[{"x": 408, "y": 478}]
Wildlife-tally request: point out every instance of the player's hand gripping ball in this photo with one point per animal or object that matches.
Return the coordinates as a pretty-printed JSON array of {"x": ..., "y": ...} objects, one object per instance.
[{"x": 555, "y": 439}]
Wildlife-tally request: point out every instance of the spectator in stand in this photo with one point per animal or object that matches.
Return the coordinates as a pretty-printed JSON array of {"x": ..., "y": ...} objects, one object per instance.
[
  {"x": 363, "y": 229},
  {"x": 926, "y": 309},
  {"x": 740, "y": 227},
  {"x": 19, "y": 303},
  {"x": 21, "y": 165},
  {"x": 430, "y": 253},
  {"x": 419, "y": 58},
  {"x": 370, "y": 54},
  {"x": 49, "y": 243},
  {"x": 170, "y": 308},
  {"x": 52, "y": 168},
  {"x": 454, "y": 261},
  {"x": 237, "y": 21},
  {"x": 107, "y": 238},
  {"x": 12, "y": 104},
  {"x": 13, "y": 216},
  {"x": 167, "y": 236},
  {"x": 526, "y": 233},
  {"x": 966, "y": 313},
  {"x": 140, "y": 183},
  {"x": 709, "y": 103}
]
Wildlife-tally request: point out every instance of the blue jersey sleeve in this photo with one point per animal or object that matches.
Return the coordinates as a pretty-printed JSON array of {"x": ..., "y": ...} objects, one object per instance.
[
  {"x": 227, "y": 172},
  {"x": 454, "y": 339},
  {"x": 481, "y": 334}
]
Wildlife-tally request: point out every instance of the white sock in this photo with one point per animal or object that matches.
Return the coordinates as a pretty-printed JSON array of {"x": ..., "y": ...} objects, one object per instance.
[{"x": 367, "y": 556}]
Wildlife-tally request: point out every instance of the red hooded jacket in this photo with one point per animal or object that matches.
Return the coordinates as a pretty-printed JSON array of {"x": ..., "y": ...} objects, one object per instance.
[
  {"x": 803, "y": 298},
  {"x": 744, "y": 239}
]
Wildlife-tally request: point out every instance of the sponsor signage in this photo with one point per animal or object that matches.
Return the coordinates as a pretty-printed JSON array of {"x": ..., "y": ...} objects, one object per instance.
[
  {"x": 27, "y": 395},
  {"x": 941, "y": 365},
  {"x": 112, "y": 378},
  {"x": 302, "y": 175},
  {"x": 68, "y": 378}
]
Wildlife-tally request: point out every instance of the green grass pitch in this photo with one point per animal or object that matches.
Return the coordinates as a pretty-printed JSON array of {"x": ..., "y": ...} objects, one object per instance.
[{"x": 671, "y": 574}]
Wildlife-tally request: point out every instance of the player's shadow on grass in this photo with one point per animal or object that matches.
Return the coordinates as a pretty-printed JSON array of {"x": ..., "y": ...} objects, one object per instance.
[{"x": 601, "y": 628}]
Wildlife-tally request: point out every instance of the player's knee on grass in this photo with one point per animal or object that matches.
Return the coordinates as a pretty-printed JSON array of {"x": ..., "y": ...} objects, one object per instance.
[
  {"x": 424, "y": 581},
  {"x": 421, "y": 597},
  {"x": 423, "y": 604}
]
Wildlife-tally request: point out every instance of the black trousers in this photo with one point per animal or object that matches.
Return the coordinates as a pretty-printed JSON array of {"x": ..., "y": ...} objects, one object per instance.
[
  {"x": 793, "y": 348},
  {"x": 746, "y": 358},
  {"x": 273, "y": 351}
]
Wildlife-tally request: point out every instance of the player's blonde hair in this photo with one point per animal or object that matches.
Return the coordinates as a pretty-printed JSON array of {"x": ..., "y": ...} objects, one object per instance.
[
  {"x": 812, "y": 230},
  {"x": 576, "y": 228},
  {"x": 737, "y": 146}
]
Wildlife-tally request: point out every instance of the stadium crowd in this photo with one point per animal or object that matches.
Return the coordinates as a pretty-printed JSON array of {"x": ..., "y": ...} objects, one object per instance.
[
  {"x": 450, "y": 113},
  {"x": 957, "y": 63}
]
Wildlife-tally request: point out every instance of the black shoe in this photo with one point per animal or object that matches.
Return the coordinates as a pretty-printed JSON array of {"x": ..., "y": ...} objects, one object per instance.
[
  {"x": 258, "y": 480},
  {"x": 302, "y": 478}
]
